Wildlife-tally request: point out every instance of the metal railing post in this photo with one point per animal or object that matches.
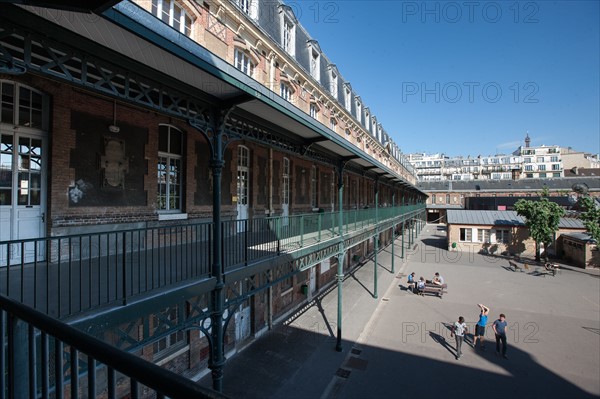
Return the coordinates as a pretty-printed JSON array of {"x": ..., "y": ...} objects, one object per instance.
[{"x": 124, "y": 276}]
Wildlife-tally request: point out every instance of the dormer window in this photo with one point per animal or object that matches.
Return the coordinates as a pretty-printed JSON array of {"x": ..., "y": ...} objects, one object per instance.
[
  {"x": 289, "y": 35},
  {"x": 333, "y": 83},
  {"x": 347, "y": 98},
  {"x": 358, "y": 111},
  {"x": 173, "y": 14}
]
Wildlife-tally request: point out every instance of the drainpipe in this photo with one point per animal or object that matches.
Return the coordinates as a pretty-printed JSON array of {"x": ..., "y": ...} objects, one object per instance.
[
  {"x": 270, "y": 289},
  {"x": 341, "y": 256},
  {"x": 376, "y": 238}
]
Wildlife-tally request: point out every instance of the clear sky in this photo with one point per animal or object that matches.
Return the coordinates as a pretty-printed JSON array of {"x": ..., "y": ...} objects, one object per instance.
[{"x": 468, "y": 77}]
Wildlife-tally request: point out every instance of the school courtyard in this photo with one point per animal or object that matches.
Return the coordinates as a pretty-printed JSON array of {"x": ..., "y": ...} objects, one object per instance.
[{"x": 399, "y": 344}]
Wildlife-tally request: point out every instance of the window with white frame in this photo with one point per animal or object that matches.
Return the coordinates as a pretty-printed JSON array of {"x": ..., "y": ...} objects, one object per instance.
[
  {"x": 161, "y": 322},
  {"x": 556, "y": 174},
  {"x": 250, "y": 7},
  {"x": 285, "y": 91},
  {"x": 542, "y": 167},
  {"x": 540, "y": 159},
  {"x": 483, "y": 235},
  {"x": 315, "y": 64},
  {"x": 347, "y": 99},
  {"x": 332, "y": 124},
  {"x": 286, "y": 181},
  {"x": 447, "y": 198},
  {"x": 555, "y": 166},
  {"x": 173, "y": 14},
  {"x": 529, "y": 167},
  {"x": 314, "y": 110},
  {"x": 170, "y": 170},
  {"x": 333, "y": 84},
  {"x": 503, "y": 236},
  {"x": 527, "y": 160},
  {"x": 466, "y": 234},
  {"x": 243, "y": 62},
  {"x": 289, "y": 36},
  {"x": 542, "y": 175},
  {"x": 313, "y": 187},
  {"x": 554, "y": 158}
]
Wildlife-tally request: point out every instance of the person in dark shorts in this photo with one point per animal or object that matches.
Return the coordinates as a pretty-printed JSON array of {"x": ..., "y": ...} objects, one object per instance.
[
  {"x": 480, "y": 326},
  {"x": 499, "y": 327}
]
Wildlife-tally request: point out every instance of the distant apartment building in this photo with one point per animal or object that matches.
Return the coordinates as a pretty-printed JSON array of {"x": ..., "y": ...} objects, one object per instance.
[{"x": 526, "y": 162}]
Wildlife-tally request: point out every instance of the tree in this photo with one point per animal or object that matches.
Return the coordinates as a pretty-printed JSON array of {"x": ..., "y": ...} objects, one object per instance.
[
  {"x": 590, "y": 216},
  {"x": 542, "y": 218}
]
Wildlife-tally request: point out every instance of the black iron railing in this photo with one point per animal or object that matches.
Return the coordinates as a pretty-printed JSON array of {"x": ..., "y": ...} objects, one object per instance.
[{"x": 43, "y": 357}]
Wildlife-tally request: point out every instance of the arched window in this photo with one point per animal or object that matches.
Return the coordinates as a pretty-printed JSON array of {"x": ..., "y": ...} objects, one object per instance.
[
  {"x": 170, "y": 168},
  {"x": 244, "y": 62}
]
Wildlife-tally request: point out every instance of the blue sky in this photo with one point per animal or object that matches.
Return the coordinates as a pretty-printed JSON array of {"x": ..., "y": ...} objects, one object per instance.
[{"x": 468, "y": 78}]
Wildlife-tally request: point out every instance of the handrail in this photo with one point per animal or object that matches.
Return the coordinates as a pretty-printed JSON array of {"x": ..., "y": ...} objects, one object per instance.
[
  {"x": 66, "y": 275},
  {"x": 162, "y": 381}
]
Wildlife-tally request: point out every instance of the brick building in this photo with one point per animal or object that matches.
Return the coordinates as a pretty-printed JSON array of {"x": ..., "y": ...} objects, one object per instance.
[{"x": 190, "y": 168}]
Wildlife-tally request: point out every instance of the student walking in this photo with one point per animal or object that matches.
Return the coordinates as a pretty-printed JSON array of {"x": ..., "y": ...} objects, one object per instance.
[
  {"x": 499, "y": 327},
  {"x": 458, "y": 331},
  {"x": 480, "y": 326}
]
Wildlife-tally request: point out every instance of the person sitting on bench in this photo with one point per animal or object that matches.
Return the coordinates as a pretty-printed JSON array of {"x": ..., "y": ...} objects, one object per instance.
[
  {"x": 420, "y": 284},
  {"x": 438, "y": 280},
  {"x": 411, "y": 281}
]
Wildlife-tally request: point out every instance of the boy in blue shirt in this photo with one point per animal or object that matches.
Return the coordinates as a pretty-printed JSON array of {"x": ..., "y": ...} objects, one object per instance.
[{"x": 480, "y": 326}]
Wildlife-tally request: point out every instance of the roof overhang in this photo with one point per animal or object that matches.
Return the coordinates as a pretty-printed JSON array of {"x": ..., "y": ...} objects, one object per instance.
[{"x": 143, "y": 40}]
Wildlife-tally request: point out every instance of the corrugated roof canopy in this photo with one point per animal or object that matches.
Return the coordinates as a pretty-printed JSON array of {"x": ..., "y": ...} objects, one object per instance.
[{"x": 500, "y": 218}]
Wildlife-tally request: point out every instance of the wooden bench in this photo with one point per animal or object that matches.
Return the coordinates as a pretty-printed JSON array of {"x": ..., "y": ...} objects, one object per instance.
[
  {"x": 515, "y": 267},
  {"x": 552, "y": 268},
  {"x": 434, "y": 289}
]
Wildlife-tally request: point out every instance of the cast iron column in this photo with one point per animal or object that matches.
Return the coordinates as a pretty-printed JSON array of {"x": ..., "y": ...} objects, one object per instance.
[
  {"x": 217, "y": 358},
  {"x": 393, "y": 233}
]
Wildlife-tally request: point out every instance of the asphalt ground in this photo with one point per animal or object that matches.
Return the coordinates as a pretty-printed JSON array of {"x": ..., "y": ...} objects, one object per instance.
[{"x": 399, "y": 345}]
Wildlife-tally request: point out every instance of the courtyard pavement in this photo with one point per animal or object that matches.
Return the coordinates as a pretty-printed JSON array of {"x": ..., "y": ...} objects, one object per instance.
[{"x": 399, "y": 344}]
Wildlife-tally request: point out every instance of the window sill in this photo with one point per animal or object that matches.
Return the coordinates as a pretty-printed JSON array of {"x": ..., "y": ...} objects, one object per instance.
[
  {"x": 172, "y": 356},
  {"x": 172, "y": 216}
]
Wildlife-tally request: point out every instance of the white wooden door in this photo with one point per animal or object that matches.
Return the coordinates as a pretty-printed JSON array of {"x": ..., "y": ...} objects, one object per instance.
[
  {"x": 22, "y": 195},
  {"x": 285, "y": 196}
]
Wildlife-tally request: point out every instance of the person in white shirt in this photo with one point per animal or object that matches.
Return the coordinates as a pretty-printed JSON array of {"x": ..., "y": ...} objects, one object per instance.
[
  {"x": 439, "y": 280},
  {"x": 458, "y": 331}
]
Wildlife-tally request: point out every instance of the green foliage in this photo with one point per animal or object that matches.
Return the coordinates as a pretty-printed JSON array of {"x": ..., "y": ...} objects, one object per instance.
[
  {"x": 590, "y": 216},
  {"x": 541, "y": 217}
]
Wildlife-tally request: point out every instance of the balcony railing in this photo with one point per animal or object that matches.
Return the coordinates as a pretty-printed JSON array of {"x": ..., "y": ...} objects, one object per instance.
[
  {"x": 34, "y": 347},
  {"x": 66, "y": 275}
]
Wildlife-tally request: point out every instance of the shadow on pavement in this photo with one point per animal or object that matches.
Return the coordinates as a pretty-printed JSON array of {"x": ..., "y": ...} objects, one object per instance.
[{"x": 290, "y": 362}]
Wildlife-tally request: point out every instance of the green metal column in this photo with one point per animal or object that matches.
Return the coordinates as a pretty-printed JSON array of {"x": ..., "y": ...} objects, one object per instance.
[
  {"x": 217, "y": 358},
  {"x": 393, "y": 234},
  {"x": 403, "y": 231},
  {"x": 341, "y": 256},
  {"x": 215, "y": 137},
  {"x": 376, "y": 238},
  {"x": 18, "y": 358}
]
